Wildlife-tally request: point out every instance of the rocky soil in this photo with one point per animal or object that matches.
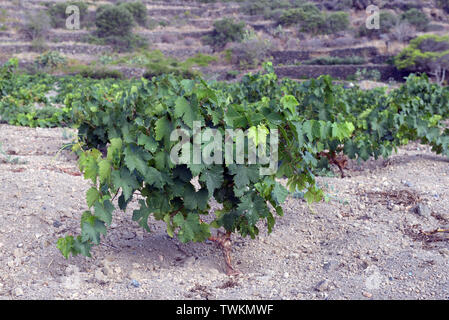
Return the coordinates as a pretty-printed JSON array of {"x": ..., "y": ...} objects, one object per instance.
[{"x": 371, "y": 240}]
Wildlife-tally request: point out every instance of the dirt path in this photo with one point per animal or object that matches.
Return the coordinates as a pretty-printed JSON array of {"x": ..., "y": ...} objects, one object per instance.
[{"x": 366, "y": 242}]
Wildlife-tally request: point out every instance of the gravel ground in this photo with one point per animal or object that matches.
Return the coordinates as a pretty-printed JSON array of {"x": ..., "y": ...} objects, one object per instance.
[{"x": 367, "y": 242}]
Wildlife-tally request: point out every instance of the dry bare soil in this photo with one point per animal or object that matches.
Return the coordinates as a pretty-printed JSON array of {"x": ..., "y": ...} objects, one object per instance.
[{"x": 371, "y": 240}]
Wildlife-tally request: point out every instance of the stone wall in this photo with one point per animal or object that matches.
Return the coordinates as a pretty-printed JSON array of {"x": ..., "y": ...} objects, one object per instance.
[
  {"x": 63, "y": 48},
  {"x": 68, "y": 36},
  {"x": 291, "y": 57},
  {"x": 157, "y": 35},
  {"x": 337, "y": 71},
  {"x": 155, "y": 13}
]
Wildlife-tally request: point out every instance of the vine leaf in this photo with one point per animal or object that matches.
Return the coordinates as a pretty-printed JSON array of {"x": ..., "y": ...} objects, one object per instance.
[
  {"x": 92, "y": 195},
  {"x": 184, "y": 109},
  {"x": 243, "y": 175},
  {"x": 65, "y": 245},
  {"x": 104, "y": 170},
  {"x": 91, "y": 228},
  {"x": 103, "y": 211},
  {"x": 91, "y": 169},
  {"x": 213, "y": 177},
  {"x": 124, "y": 180},
  {"x": 136, "y": 158},
  {"x": 289, "y": 102},
  {"x": 162, "y": 128},
  {"x": 190, "y": 228},
  {"x": 195, "y": 200},
  {"x": 252, "y": 207},
  {"x": 147, "y": 142},
  {"x": 141, "y": 215},
  {"x": 154, "y": 177},
  {"x": 279, "y": 193}
]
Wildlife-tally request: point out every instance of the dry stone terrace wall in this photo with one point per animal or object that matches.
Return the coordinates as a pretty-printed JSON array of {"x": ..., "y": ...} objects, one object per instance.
[
  {"x": 291, "y": 57},
  {"x": 337, "y": 71},
  {"x": 156, "y": 36},
  {"x": 68, "y": 36},
  {"x": 153, "y": 13},
  {"x": 185, "y": 53},
  {"x": 63, "y": 48}
]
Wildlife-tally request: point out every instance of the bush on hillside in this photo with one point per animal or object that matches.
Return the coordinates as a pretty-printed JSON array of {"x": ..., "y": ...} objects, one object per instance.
[
  {"x": 100, "y": 73},
  {"x": 416, "y": 18},
  {"x": 426, "y": 53},
  {"x": 50, "y": 59},
  {"x": 311, "y": 20},
  {"x": 225, "y": 31},
  {"x": 314, "y": 23},
  {"x": 291, "y": 17},
  {"x": 114, "y": 27},
  {"x": 265, "y": 7},
  {"x": 37, "y": 26},
  {"x": 250, "y": 53},
  {"x": 113, "y": 21},
  {"x": 335, "y": 5},
  {"x": 337, "y": 21},
  {"x": 58, "y": 16},
  {"x": 138, "y": 11}
]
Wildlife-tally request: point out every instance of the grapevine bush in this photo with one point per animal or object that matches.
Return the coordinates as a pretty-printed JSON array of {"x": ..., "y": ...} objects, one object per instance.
[
  {"x": 137, "y": 128},
  {"x": 124, "y": 143}
]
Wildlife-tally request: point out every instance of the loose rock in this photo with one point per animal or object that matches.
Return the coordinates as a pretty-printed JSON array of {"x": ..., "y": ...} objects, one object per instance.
[{"x": 323, "y": 286}]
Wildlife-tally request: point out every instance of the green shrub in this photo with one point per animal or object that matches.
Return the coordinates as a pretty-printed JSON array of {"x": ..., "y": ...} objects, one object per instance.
[
  {"x": 309, "y": 8},
  {"x": 250, "y": 53},
  {"x": 126, "y": 43},
  {"x": 232, "y": 74},
  {"x": 119, "y": 43},
  {"x": 338, "y": 4},
  {"x": 364, "y": 74},
  {"x": 314, "y": 23},
  {"x": 337, "y": 21},
  {"x": 138, "y": 11},
  {"x": 114, "y": 27},
  {"x": 113, "y": 21},
  {"x": 97, "y": 73},
  {"x": 387, "y": 21},
  {"x": 310, "y": 19},
  {"x": 101, "y": 8},
  {"x": 225, "y": 31},
  {"x": 202, "y": 60},
  {"x": 39, "y": 45},
  {"x": 275, "y": 14},
  {"x": 256, "y": 7},
  {"x": 265, "y": 7},
  {"x": 50, "y": 59},
  {"x": 291, "y": 17},
  {"x": 106, "y": 59},
  {"x": 416, "y": 18},
  {"x": 58, "y": 16},
  {"x": 426, "y": 53},
  {"x": 156, "y": 63}
]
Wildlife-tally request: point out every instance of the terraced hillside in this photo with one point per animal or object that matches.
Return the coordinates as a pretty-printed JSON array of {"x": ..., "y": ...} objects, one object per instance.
[{"x": 271, "y": 31}]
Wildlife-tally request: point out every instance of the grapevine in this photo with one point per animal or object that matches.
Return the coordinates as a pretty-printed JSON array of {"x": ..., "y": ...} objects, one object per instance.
[{"x": 124, "y": 143}]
